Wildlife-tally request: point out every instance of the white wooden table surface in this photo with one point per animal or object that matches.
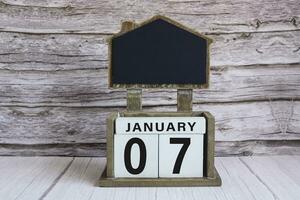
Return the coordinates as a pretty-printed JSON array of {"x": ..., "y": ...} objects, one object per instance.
[{"x": 276, "y": 177}]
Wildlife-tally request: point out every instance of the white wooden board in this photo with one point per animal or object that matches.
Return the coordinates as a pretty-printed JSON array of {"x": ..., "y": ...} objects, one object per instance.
[
  {"x": 277, "y": 174},
  {"x": 30, "y": 177},
  {"x": 249, "y": 178}
]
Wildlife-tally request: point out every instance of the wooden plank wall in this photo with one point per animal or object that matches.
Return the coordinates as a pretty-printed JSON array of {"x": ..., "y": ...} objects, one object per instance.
[{"x": 54, "y": 96}]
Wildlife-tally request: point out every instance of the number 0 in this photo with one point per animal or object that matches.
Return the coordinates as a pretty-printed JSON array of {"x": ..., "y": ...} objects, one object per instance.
[
  {"x": 186, "y": 143},
  {"x": 127, "y": 156}
]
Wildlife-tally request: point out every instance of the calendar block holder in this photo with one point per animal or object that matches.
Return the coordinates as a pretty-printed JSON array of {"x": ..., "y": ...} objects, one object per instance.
[
  {"x": 184, "y": 106},
  {"x": 184, "y": 109}
]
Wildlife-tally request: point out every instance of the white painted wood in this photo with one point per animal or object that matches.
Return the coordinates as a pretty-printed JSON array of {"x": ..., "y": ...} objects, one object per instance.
[
  {"x": 150, "y": 166},
  {"x": 29, "y": 177},
  {"x": 289, "y": 165},
  {"x": 238, "y": 182},
  {"x": 80, "y": 181},
  {"x": 192, "y": 162},
  {"x": 52, "y": 168},
  {"x": 277, "y": 177},
  {"x": 160, "y": 125},
  {"x": 249, "y": 178}
]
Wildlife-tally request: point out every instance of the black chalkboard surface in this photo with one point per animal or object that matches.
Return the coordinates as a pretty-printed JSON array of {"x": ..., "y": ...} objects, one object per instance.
[{"x": 159, "y": 54}]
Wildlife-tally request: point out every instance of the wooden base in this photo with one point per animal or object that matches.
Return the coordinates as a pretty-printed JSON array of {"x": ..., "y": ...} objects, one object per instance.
[{"x": 159, "y": 182}]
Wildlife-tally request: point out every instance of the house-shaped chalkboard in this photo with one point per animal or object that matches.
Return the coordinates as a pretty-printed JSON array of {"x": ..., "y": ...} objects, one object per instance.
[{"x": 159, "y": 53}]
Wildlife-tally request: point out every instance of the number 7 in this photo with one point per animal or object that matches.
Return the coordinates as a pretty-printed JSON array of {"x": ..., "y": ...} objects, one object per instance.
[{"x": 186, "y": 143}]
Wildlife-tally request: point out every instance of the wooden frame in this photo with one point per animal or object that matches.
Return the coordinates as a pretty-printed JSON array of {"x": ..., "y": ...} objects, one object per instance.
[
  {"x": 211, "y": 176},
  {"x": 184, "y": 108},
  {"x": 130, "y": 26}
]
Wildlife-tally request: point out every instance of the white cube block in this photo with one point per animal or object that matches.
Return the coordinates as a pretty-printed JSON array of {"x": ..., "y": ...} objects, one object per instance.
[
  {"x": 136, "y": 156},
  {"x": 181, "y": 155},
  {"x": 160, "y": 125}
]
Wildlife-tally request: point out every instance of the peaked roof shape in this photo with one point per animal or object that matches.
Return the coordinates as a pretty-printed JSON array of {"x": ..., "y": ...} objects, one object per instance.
[
  {"x": 166, "y": 19},
  {"x": 159, "y": 53}
]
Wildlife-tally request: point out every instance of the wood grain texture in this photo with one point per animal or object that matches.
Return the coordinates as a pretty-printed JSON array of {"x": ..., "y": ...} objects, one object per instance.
[
  {"x": 64, "y": 51},
  {"x": 273, "y": 172},
  {"x": 102, "y": 17},
  {"x": 57, "y": 149},
  {"x": 278, "y": 120},
  {"x": 234, "y": 122},
  {"x": 29, "y": 177},
  {"x": 258, "y": 147},
  {"x": 223, "y": 148},
  {"x": 54, "y": 95},
  {"x": 89, "y": 87},
  {"x": 84, "y": 173},
  {"x": 251, "y": 178}
]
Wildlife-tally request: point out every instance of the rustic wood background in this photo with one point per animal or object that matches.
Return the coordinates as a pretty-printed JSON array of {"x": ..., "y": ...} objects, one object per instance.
[{"x": 54, "y": 96}]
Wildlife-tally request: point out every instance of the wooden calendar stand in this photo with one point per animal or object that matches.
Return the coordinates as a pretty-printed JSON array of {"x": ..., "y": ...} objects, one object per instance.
[
  {"x": 184, "y": 107},
  {"x": 161, "y": 46}
]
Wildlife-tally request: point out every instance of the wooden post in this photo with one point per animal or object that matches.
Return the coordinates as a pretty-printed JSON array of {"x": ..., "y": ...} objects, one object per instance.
[
  {"x": 184, "y": 100},
  {"x": 134, "y": 99},
  {"x": 134, "y": 96},
  {"x": 127, "y": 26}
]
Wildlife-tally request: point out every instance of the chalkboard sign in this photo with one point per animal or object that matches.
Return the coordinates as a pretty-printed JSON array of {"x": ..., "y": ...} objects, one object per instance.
[
  {"x": 159, "y": 53},
  {"x": 159, "y": 148}
]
